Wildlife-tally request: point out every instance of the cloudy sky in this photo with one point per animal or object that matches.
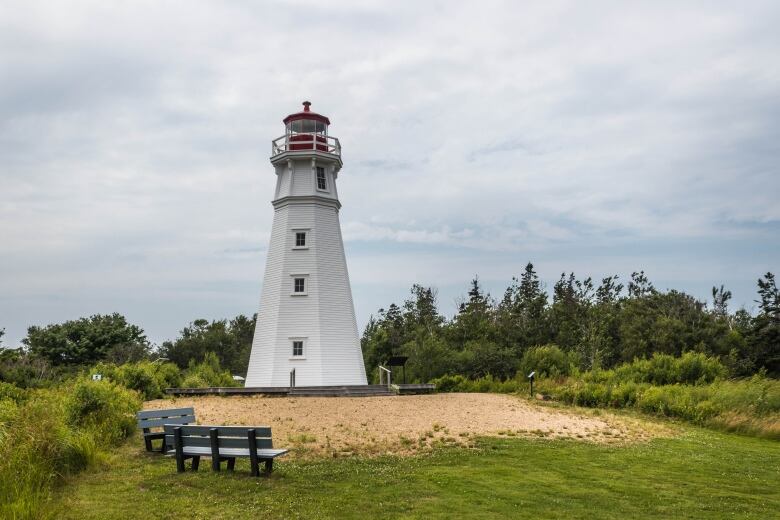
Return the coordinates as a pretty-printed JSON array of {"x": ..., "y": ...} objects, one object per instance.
[{"x": 591, "y": 137}]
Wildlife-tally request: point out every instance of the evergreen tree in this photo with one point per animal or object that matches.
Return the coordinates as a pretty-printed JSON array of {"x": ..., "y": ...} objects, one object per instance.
[
  {"x": 595, "y": 326},
  {"x": 640, "y": 285},
  {"x": 569, "y": 311},
  {"x": 764, "y": 337},
  {"x": 530, "y": 306},
  {"x": 720, "y": 301},
  {"x": 474, "y": 320},
  {"x": 601, "y": 336}
]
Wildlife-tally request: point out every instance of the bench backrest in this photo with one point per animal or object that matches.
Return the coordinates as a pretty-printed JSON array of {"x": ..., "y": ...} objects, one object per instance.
[
  {"x": 226, "y": 436},
  {"x": 155, "y": 418}
]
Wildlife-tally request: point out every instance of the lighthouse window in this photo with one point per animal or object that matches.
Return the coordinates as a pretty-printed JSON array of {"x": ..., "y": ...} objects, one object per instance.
[
  {"x": 300, "y": 239},
  {"x": 299, "y": 286},
  {"x": 297, "y": 348},
  {"x": 322, "y": 182}
]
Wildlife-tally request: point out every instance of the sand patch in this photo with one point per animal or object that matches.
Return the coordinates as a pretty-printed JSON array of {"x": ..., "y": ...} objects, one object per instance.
[{"x": 343, "y": 426}]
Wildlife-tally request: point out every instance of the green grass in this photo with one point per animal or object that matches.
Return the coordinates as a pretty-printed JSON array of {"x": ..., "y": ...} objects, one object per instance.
[{"x": 700, "y": 474}]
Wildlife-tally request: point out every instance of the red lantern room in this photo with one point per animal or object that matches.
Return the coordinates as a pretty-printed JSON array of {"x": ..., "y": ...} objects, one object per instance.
[{"x": 305, "y": 131}]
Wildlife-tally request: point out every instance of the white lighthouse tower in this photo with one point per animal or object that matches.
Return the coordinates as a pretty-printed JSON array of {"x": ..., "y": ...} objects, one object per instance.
[{"x": 306, "y": 321}]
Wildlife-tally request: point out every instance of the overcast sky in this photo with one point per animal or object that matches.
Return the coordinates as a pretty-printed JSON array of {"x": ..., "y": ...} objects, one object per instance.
[{"x": 593, "y": 137}]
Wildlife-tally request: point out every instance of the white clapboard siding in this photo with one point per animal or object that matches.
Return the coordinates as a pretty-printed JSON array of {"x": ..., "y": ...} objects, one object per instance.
[{"x": 325, "y": 317}]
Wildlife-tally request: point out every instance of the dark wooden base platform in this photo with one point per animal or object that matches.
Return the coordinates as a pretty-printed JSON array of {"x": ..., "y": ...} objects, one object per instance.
[{"x": 311, "y": 391}]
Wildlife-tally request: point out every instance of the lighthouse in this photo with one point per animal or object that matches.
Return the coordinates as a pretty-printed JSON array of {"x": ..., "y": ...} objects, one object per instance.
[{"x": 306, "y": 333}]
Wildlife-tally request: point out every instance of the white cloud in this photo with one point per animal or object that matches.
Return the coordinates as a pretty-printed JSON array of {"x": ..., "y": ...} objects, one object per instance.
[{"x": 134, "y": 142}]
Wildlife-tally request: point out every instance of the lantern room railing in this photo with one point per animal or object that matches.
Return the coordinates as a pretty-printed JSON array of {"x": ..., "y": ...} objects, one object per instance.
[{"x": 304, "y": 142}]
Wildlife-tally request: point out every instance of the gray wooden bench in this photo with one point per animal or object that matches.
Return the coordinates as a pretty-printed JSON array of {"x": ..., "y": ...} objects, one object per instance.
[
  {"x": 222, "y": 443},
  {"x": 149, "y": 419}
]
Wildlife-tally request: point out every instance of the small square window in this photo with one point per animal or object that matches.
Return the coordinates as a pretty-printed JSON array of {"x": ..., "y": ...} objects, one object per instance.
[
  {"x": 297, "y": 348},
  {"x": 300, "y": 239},
  {"x": 299, "y": 285},
  {"x": 322, "y": 182}
]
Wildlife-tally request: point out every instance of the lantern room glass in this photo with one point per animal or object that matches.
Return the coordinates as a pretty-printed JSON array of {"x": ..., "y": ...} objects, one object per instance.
[{"x": 307, "y": 126}]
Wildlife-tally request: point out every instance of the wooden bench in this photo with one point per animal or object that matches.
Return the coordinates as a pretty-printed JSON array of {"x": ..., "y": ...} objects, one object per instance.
[
  {"x": 149, "y": 419},
  {"x": 222, "y": 443}
]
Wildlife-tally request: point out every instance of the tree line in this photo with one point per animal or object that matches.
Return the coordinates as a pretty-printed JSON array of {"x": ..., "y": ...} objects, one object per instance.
[
  {"x": 58, "y": 351},
  {"x": 597, "y": 325}
]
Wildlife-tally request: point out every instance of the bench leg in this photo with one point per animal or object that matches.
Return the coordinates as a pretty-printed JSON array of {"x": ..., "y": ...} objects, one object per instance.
[
  {"x": 195, "y": 463},
  {"x": 231, "y": 464},
  {"x": 269, "y": 466},
  {"x": 178, "y": 445},
  {"x": 180, "y": 463},
  {"x": 215, "y": 463},
  {"x": 148, "y": 443},
  {"x": 252, "y": 438}
]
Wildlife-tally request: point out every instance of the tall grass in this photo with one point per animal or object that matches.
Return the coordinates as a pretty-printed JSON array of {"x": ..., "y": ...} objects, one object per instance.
[
  {"x": 749, "y": 406},
  {"x": 691, "y": 387},
  {"x": 48, "y": 434}
]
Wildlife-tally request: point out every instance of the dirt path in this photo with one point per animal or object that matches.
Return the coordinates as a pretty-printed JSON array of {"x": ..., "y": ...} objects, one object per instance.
[{"x": 327, "y": 426}]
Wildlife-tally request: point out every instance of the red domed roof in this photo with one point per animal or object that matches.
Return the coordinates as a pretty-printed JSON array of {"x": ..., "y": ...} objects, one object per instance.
[{"x": 306, "y": 114}]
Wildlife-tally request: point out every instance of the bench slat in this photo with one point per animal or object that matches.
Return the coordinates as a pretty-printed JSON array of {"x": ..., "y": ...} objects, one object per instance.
[
  {"x": 225, "y": 431},
  {"x": 224, "y": 442},
  {"x": 153, "y": 423},
  {"x": 230, "y": 452},
  {"x": 158, "y": 414}
]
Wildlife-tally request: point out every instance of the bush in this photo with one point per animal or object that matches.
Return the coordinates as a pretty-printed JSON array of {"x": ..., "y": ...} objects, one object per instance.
[
  {"x": 547, "y": 361},
  {"x": 147, "y": 378},
  {"x": 662, "y": 369},
  {"x": 207, "y": 373},
  {"x": 102, "y": 408},
  {"x": 459, "y": 383},
  {"x": 448, "y": 383},
  {"x": 11, "y": 392}
]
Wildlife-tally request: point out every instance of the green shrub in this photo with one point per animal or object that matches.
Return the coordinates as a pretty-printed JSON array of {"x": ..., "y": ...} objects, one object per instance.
[
  {"x": 547, "y": 361},
  {"x": 102, "y": 407},
  {"x": 448, "y": 383},
  {"x": 149, "y": 379},
  {"x": 662, "y": 369},
  {"x": 168, "y": 375},
  {"x": 12, "y": 392},
  {"x": 624, "y": 395},
  {"x": 459, "y": 383},
  {"x": 207, "y": 373}
]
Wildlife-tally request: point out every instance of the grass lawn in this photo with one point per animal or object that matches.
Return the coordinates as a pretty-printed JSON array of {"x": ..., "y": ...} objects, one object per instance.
[{"x": 701, "y": 474}]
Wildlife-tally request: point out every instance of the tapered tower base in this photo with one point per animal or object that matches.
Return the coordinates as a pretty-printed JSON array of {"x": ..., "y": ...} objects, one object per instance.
[{"x": 306, "y": 332}]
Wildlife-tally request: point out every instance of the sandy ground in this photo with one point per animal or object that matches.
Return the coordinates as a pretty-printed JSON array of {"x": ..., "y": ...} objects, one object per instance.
[{"x": 343, "y": 426}]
